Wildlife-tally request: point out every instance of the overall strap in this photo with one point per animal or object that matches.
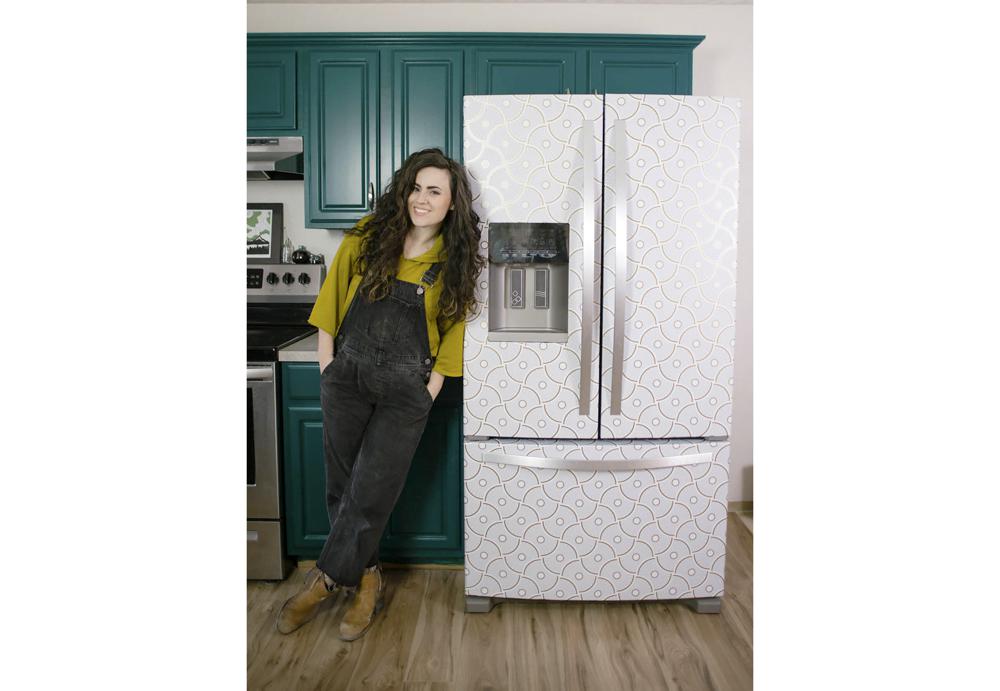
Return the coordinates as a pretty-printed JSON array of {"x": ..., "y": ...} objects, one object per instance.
[{"x": 431, "y": 274}]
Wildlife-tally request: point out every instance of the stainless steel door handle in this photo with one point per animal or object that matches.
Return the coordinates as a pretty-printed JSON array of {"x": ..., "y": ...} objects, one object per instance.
[
  {"x": 259, "y": 374},
  {"x": 598, "y": 464},
  {"x": 587, "y": 313},
  {"x": 621, "y": 266},
  {"x": 371, "y": 196}
]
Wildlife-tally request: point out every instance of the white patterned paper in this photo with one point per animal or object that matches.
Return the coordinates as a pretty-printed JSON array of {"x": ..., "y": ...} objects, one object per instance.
[
  {"x": 683, "y": 167},
  {"x": 554, "y": 534},
  {"x": 525, "y": 162}
]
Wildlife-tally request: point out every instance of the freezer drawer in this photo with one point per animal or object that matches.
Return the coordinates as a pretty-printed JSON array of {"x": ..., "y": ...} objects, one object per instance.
[{"x": 570, "y": 520}]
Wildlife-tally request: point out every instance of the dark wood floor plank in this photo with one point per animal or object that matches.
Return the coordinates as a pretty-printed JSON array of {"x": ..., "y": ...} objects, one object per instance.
[
  {"x": 613, "y": 628},
  {"x": 385, "y": 649},
  {"x": 430, "y": 656},
  {"x": 537, "y": 645},
  {"x": 481, "y": 649},
  {"x": 578, "y": 668},
  {"x": 681, "y": 665}
]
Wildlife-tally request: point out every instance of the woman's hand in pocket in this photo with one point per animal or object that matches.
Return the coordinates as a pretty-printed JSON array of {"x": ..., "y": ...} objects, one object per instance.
[
  {"x": 324, "y": 353},
  {"x": 434, "y": 385}
]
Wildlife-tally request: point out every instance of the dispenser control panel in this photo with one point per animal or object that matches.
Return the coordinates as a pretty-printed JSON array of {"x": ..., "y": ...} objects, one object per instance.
[{"x": 529, "y": 243}]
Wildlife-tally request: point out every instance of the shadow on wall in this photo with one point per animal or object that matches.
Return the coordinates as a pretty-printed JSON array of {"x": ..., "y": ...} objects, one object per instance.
[{"x": 748, "y": 482}]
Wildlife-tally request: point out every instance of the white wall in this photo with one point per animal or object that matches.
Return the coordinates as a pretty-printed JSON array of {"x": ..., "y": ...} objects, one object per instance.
[{"x": 723, "y": 66}]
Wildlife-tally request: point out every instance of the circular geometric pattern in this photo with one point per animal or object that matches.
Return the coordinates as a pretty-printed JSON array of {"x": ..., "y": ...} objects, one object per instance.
[
  {"x": 682, "y": 219},
  {"x": 601, "y": 534}
]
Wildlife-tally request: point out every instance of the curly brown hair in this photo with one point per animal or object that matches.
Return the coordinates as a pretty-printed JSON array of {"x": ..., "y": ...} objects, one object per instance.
[{"x": 386, "y": 230}]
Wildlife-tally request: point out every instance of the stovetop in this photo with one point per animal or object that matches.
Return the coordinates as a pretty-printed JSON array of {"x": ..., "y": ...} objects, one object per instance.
[
  {"x": 264, "y": 342},
  {"x": 278, "y": 308}
]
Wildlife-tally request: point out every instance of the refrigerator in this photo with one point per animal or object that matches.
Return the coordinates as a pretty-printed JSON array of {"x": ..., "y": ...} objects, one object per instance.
[{"x": 598, "y": 373}]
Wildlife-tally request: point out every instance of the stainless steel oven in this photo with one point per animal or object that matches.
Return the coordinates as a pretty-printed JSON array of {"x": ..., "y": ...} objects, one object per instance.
[
  {"x": 265, "y": 541},
  {"x": 279, "y": 300}
]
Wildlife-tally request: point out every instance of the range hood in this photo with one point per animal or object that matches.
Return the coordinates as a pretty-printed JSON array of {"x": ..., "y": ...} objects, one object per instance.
[{"x": 274, "y": 158}]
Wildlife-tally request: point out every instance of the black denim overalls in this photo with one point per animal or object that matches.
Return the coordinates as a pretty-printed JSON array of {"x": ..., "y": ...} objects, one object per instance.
[{"x": 375, "y": 406}]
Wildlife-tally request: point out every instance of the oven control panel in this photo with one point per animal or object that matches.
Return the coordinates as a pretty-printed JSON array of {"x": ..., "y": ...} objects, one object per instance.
[{"x": 284, "y": 282}]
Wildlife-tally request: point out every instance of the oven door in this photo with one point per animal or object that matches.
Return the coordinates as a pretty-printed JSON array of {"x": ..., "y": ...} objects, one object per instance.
[{"x": 263, "y": 500}]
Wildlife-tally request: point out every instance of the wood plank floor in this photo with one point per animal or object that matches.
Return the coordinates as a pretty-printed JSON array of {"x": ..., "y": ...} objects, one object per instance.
[{"x": 425, "y": 640}]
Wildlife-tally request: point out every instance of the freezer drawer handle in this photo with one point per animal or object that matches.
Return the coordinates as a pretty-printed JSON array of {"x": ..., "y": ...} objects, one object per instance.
[
  {"x": 599, "y": 464},
  {"x": 621, "y": 261},
  {"x": 587, "y": 313}
]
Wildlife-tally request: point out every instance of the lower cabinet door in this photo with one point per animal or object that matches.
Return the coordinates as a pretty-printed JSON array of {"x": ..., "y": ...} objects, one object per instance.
[
  {"x": 572, "y": 520},
  {"x": 306, "y": 520},
  {"x": 426, "y": 525}
]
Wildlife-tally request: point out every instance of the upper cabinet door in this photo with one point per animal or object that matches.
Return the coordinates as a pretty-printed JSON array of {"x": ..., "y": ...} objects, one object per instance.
[
  {"x": 527, "y": 158},
  {"x": 425, "y": 108},
  {"x": 522, "y": 70},
  {"x": 342, "y": 151},
  {"x": 670, "y": 293},
  {"x": 271, "y": 90},
  {"x": 640, "y": 70}
]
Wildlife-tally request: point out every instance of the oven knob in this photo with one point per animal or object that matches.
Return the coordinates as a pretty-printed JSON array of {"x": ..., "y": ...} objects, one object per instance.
[
  {"x": 304, "y": 279},
  {"x": 272, "y": 278},
  {"x": 288, "y": 279}
]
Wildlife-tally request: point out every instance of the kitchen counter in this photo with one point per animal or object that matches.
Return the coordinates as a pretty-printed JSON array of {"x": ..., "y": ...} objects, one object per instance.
[{"x": 301, "y": 351}]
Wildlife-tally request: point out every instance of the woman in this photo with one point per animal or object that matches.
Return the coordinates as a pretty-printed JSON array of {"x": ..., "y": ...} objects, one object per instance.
[{"x": 391, "y": 318}]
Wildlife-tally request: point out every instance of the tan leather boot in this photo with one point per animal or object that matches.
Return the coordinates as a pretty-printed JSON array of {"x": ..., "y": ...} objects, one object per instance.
[
  {"x": 368, "y": 601},
  {"x": 302, "y": 607}
]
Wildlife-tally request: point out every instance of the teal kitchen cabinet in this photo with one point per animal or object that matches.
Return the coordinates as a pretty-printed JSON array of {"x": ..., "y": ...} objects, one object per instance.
[
  {"x": 411, "y": 97},
  {"x": 271, "y": 90},
  {"x": 522, "y": 70},
  {"x": 303, "y": 476},
  {"x": 342, "y": 145},
  {"x": 642, "y": 70},
  {"x": 427, "y": 523},
  {"x": 422, "y": 91}
]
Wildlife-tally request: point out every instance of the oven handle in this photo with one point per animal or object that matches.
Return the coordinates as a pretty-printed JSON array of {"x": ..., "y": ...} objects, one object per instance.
[{"x": 260, "y": 374}]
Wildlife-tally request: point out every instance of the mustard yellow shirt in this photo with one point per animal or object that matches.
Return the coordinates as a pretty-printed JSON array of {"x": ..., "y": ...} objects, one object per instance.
[{"x": 342, "y": 283}]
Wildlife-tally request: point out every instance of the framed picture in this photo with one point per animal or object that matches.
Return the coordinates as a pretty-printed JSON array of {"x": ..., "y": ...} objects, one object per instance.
[{"x": 265, "y": 226}]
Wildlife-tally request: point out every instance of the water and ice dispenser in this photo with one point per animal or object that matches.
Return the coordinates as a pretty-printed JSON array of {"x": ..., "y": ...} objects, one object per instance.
[{"x": 529, "y": 281}]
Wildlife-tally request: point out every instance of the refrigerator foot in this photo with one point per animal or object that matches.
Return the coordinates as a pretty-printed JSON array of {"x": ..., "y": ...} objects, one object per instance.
[
  {"x": 704, "y": 605},
  {"x": 479, "y": 605}
]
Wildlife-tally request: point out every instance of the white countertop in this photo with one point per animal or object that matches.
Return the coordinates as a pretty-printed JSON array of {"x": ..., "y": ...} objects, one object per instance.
[{"x": 301, "y": 351}]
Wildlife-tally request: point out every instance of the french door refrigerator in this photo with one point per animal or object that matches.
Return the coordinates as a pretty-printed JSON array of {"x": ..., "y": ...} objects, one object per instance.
[{"x": 599, "y": 373}]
